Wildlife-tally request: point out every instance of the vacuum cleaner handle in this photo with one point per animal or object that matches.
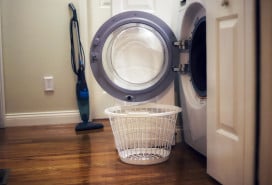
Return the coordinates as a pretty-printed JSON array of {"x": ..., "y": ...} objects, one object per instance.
[
  {"x": 72, "y": 7},
  {"x": 74, "y": 31}
]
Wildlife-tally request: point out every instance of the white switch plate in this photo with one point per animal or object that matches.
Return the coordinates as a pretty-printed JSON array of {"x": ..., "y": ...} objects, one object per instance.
[{"x": 48, "y": 83}]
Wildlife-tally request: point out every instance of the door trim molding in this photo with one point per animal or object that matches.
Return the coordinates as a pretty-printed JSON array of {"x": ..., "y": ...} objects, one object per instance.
[{"x": 2, "y": 96}]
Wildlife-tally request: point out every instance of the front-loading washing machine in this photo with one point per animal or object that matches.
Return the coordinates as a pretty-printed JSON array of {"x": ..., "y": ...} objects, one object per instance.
[{"x": 135, "y": 56}]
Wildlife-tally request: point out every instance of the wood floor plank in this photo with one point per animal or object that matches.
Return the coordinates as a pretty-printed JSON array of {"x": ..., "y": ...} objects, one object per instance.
[{"x": 45, "y": 155}]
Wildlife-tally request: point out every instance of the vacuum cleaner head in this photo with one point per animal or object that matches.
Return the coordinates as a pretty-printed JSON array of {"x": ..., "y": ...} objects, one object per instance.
[{"x": 83, "y": 126}]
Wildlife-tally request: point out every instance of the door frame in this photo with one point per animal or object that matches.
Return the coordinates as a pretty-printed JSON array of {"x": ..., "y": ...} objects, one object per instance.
[
  {"x": 264, "y": 158},
  {"x": 2, "y": 97}
]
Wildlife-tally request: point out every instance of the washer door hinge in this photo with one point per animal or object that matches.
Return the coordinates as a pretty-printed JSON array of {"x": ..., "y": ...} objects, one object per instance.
[
  {"x": 183, "y": 45},
  {"x": 182, "y": 68}
]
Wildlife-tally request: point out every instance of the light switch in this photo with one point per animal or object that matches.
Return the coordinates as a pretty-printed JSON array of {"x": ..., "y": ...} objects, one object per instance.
[{"x": 48, "y": 83}]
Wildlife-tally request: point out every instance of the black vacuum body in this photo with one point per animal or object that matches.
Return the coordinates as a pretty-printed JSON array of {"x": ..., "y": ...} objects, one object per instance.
[{"x": 78, "y": 66}]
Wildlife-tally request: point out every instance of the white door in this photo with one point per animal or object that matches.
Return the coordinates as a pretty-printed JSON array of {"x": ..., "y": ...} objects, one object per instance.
[
  {"x": 231, "y": 91},
  {"x": 103, "y": 8}
]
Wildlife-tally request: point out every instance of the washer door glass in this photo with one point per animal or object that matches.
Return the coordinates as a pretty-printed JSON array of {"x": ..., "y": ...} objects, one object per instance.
[{"x": 132, "y": 56}]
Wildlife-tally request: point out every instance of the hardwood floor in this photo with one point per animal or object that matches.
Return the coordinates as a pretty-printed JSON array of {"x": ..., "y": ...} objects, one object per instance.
[{"x": 57, "y": 155}]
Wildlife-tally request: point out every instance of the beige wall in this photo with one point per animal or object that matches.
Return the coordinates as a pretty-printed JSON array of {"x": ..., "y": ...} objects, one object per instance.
[
  {"x": 35, "y": 40},
  {"x": 36, "y": 43}
]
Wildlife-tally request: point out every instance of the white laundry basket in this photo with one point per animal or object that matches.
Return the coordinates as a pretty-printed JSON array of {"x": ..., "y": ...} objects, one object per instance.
[{"x": 143, "y": 133}]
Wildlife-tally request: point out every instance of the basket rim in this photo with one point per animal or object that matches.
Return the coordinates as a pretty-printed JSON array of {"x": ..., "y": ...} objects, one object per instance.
[{"x": 170, "y": 109}]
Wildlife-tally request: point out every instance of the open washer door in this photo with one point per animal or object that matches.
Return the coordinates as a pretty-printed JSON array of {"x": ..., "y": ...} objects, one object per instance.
[
  {"x": 193, "y": 80},
  {"x": 133, "y": 56}
]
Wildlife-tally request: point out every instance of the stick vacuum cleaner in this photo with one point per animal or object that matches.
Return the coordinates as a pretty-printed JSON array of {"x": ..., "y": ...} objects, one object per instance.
[{"x": 82, "y": 93}]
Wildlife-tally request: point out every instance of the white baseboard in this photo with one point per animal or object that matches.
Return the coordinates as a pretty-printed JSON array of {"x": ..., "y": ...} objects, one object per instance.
[{"x": 41, "y": 118}]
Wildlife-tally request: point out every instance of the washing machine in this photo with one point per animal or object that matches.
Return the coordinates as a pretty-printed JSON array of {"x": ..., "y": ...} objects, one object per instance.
[{"x": 137, "y": 53}]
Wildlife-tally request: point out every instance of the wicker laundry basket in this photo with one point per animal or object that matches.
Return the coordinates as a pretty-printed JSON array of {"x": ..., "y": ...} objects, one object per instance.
[{"x": 143, "y": 133}]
